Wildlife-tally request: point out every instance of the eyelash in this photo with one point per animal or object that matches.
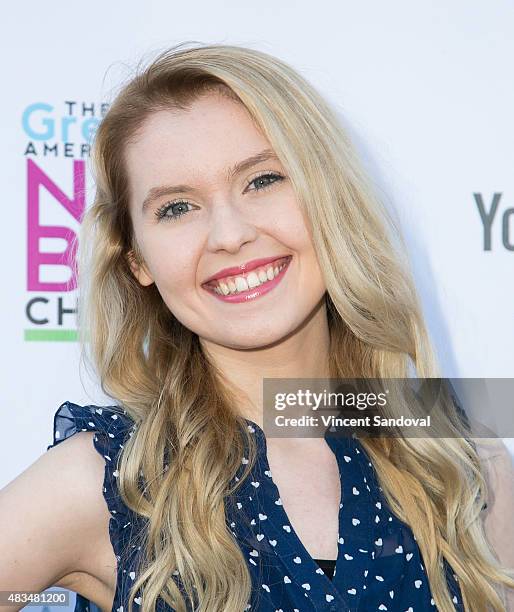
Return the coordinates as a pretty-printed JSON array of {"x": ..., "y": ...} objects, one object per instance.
[{"x": 160, "y": 213}]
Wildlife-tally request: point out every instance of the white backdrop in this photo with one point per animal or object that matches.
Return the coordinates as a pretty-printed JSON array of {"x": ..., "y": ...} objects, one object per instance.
[{"x": 425, "y": 89}]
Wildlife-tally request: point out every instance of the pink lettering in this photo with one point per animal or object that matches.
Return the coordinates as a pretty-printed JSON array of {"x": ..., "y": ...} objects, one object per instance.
[{"x": 75, "y": 206}]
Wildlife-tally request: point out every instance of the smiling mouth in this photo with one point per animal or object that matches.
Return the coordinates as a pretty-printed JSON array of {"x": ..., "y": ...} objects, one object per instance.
[{"x": 244, "y": 284}]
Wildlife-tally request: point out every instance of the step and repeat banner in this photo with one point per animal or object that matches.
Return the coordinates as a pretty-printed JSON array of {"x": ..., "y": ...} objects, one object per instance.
[
  {"x": 424, "y": 89},
  {"x": 424, "y": 92}
]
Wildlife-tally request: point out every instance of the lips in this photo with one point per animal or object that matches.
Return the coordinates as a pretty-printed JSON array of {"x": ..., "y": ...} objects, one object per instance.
[
  {"x": 254, "y": 284},
  {"x": 244, "y": 268}
]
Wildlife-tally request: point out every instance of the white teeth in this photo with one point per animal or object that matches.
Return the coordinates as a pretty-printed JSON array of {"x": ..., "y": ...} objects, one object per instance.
[
  {"x": 263, "y": 277},
  {"x": 241, "y": 284},
  {"x": 253, "y": 280}
]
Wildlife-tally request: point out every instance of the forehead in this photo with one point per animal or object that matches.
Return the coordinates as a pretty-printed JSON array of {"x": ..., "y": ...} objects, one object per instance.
[{"x": 198, "y": 143}]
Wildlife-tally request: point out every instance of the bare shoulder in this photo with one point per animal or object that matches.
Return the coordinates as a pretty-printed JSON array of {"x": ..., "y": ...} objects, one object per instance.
[
  {"x": 498, "y": 465},
  {"x": 492, "y": 448},
  {"x": 498, "y": 469},
  {"x": 54, "y": 524}
]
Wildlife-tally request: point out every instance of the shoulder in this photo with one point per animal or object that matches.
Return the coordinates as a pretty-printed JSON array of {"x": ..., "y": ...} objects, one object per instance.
[
  {"x": 498, "y": 465},
  {"x": 95, "y": 436},
  {"x": 54, "y": 516},
  {"x": 76, "y": 472},
  {"x": 87, "y": 440},
  {"x": 489, "y": 448}
]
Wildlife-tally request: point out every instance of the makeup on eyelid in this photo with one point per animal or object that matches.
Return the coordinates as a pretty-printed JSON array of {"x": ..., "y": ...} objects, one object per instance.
[{"x": 160, "y": 213}]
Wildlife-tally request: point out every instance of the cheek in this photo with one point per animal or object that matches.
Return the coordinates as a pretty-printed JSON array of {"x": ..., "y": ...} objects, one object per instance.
[
  {"x": 172, "y": 275},
  {"x": 289, "y": 216},
  {"x": 298, "y": 237},
  {"x": 293, "y": 229},
  {"x": 171, "y": 261}
]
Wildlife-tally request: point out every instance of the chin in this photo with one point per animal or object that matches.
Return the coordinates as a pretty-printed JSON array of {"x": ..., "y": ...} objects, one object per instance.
[{"x": 242, "y": 340}]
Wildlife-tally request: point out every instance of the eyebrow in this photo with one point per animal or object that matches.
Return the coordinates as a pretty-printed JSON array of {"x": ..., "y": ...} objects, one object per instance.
[{"x": 166, "y": 190}]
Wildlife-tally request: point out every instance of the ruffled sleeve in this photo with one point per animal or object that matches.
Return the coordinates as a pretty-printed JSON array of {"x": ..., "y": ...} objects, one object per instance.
[{"x": 112, "y": 426}]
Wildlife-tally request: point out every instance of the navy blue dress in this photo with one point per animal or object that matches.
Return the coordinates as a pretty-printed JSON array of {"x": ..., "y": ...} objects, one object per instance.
[{"x": 378, "y": 567}]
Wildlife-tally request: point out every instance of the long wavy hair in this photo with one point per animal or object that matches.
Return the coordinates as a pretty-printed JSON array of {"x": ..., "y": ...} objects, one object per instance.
[{"x": 176, "y": 471}]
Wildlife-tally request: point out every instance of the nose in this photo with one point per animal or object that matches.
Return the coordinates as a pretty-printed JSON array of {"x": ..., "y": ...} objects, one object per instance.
[{"x": 229, "y": 229}]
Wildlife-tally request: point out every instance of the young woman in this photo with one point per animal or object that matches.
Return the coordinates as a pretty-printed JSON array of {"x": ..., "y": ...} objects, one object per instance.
[{"x": 233, "y": 238}]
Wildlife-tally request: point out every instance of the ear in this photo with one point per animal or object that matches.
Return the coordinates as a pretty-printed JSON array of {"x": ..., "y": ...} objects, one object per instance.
[{"x": 139, "y": 270}]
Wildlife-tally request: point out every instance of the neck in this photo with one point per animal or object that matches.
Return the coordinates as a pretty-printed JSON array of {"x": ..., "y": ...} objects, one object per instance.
[{"x": 302, "y": 354}]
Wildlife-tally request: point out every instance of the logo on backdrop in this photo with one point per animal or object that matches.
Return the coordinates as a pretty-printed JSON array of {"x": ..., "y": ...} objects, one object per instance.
[
  {"x": 497, "y": 224},
  {"x": 57, "y": 141}
]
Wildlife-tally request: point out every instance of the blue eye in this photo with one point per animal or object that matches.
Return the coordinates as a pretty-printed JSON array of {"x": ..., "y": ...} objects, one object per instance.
[
  {"x": 178, "y": 206},
  {"x": 174, "y": 206},
  {"x": 264, "y": 177}
]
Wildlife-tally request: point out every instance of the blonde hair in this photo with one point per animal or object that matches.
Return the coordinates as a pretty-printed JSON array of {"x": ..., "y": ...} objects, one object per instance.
[{"x": 188, "y": 443}]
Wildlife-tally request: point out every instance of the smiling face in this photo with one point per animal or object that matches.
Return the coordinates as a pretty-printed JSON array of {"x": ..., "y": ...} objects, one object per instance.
[{"x": 200, "y": 218}]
